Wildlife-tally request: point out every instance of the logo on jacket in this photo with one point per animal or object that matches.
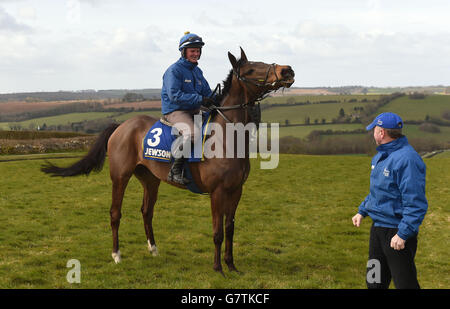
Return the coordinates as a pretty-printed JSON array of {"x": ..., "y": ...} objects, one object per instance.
[
  {"x": 386, "y": 172},
  {"x": 187, "y": 81}
]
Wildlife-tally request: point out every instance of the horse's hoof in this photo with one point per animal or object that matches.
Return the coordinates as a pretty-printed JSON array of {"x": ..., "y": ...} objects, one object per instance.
[
  {"x": 219, "y": 270},
  {"x": 152, "y": 249},
  {"x": 233, "y": 268},
  {"x": 116, "y": 257}
]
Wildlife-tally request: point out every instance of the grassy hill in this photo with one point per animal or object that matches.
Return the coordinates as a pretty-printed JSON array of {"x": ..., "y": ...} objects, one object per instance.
[
  {"x": 297, "y": 114},
  {"x": 324, "y": 113},
  {"x": 58, "y": 120},
  {"x": 418, "y": 109},
  {"x": 290, "y": 99}
]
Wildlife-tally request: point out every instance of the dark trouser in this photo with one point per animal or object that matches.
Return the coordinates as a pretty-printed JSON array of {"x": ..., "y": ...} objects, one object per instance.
[{"x": 396, "y": 264}]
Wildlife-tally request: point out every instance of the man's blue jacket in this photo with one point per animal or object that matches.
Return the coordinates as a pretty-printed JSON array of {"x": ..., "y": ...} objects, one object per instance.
[
  {"x": 183, "y": 87},
  {"x": 397, "y": 189}
]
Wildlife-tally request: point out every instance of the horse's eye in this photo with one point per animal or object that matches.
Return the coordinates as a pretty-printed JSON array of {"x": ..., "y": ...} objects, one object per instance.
[{"x": 249, "y": 72}]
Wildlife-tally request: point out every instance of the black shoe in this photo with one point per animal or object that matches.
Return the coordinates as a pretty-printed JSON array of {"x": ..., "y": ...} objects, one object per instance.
[{"x": 176, "y": 173}]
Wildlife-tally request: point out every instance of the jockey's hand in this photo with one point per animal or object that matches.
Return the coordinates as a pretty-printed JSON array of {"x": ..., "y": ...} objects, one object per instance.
[{"x": 207, "y": 102}]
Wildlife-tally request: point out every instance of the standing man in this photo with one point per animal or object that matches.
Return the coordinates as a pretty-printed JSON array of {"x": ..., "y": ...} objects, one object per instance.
[
  {"x": 396, "y": 204},
  {"x": 184, "y": 90}
]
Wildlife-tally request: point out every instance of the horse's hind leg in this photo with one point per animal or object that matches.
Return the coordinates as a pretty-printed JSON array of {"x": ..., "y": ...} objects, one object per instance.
[
  {"x": 118, "y": 190},
  {"x": 151, "y": 185}
]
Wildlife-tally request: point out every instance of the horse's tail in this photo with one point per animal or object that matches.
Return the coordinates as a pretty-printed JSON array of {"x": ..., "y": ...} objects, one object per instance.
[{"x": 92, "y": 161}]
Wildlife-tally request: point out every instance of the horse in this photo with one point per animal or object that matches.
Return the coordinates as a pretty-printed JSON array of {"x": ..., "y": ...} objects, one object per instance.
[{"x": 221, "y": 178}]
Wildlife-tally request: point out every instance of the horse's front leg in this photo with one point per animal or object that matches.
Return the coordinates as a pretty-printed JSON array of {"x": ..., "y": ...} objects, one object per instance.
[
  {"x": 224, "y": 203},
  {"x": 230, "y": 211}
]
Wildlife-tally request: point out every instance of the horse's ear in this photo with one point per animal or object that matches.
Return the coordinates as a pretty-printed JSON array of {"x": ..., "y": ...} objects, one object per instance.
[
  {"x": 233, "y": 61},
  {"x": 243, "y": 56}
]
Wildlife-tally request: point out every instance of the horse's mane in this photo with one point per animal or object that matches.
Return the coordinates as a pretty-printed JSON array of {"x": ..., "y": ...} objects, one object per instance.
[
  {"x": 226, "y": 87},
  {"x": 227, "y": 84}
]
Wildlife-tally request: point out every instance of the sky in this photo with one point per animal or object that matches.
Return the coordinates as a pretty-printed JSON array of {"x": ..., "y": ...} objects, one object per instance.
[{"x": 52, "y": 45}]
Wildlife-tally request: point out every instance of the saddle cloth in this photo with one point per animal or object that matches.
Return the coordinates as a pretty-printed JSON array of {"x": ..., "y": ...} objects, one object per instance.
[{"x": 158, "y": 141}]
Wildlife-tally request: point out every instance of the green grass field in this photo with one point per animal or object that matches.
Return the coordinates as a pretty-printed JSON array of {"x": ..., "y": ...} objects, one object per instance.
[
  {"x": 77, "y": 117},
  {"x": 413, "y": 131},
  {"x": 293, "y": 229},
  {"x": 123, "y": 117},
  {"x": 320, "y": 98},
  {"x": 297, "y": 114},
  {"x": 303, "y": 131},
  {"x": 410, "y": 109},
  {"x": 60, "y": 119}
]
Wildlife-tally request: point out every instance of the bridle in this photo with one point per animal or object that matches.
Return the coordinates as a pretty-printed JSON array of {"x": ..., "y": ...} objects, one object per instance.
[
  {"x": 259, "y": 82},
  {"x": 255, "y": 112}
]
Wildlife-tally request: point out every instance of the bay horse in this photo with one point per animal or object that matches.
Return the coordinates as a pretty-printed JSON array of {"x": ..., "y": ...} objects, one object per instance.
[{"x": 221, "y": 178}]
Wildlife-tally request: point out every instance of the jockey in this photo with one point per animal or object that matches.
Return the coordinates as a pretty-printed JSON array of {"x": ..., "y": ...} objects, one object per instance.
[{"x": 184, "y": 90}]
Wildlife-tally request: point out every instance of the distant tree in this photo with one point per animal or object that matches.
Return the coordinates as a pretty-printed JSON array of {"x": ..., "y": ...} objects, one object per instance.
[
  {"x": 316, "y": 121},
  {"x": 15, "y": 126},
  {"x": 446, "y": 114},
  {"x": 286, "y": 122},
  {"x": 417, "y": 96},
  {"x": 324, "y": 120},
  {"x": 341, "y": 113},
  {"x": 429, "y": 127},
  {"x": 307, "y": 120},
  {"x": 132, "y": 97}
]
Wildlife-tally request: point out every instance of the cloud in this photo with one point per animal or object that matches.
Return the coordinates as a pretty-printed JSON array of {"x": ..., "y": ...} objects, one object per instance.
[
  {"x": 9, "y": 24},
  {"x": 27, "y": 12},
  {"x": 109, "y": 44}
]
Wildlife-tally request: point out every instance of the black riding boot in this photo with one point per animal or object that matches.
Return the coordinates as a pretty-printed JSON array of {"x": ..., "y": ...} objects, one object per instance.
[{"x": 176, "y": 172}]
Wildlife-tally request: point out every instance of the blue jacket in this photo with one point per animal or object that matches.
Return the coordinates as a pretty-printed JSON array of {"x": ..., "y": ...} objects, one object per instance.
[
  {"x": 183, "y": 87},
  {"x": 397, "y": 189}
]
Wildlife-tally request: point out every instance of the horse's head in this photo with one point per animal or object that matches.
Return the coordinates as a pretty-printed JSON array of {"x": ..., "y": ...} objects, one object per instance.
[{"x": 266, "y": 77}]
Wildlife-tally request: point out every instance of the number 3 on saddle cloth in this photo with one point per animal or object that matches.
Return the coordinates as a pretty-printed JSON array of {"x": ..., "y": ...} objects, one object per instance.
[{"x": 157, "y": 146}]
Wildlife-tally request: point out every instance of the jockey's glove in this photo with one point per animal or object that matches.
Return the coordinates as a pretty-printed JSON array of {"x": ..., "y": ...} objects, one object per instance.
[{"x": 207, "y": 102}]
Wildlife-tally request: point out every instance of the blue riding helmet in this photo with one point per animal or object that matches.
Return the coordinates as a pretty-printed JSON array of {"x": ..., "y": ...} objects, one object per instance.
[{"x": 190, "y": 40}]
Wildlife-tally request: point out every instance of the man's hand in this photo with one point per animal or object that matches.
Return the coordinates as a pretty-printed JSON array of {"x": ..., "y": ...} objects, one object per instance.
[
  {"x": 357, "y": 219},
  {"x": 397, "y": 243}
]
